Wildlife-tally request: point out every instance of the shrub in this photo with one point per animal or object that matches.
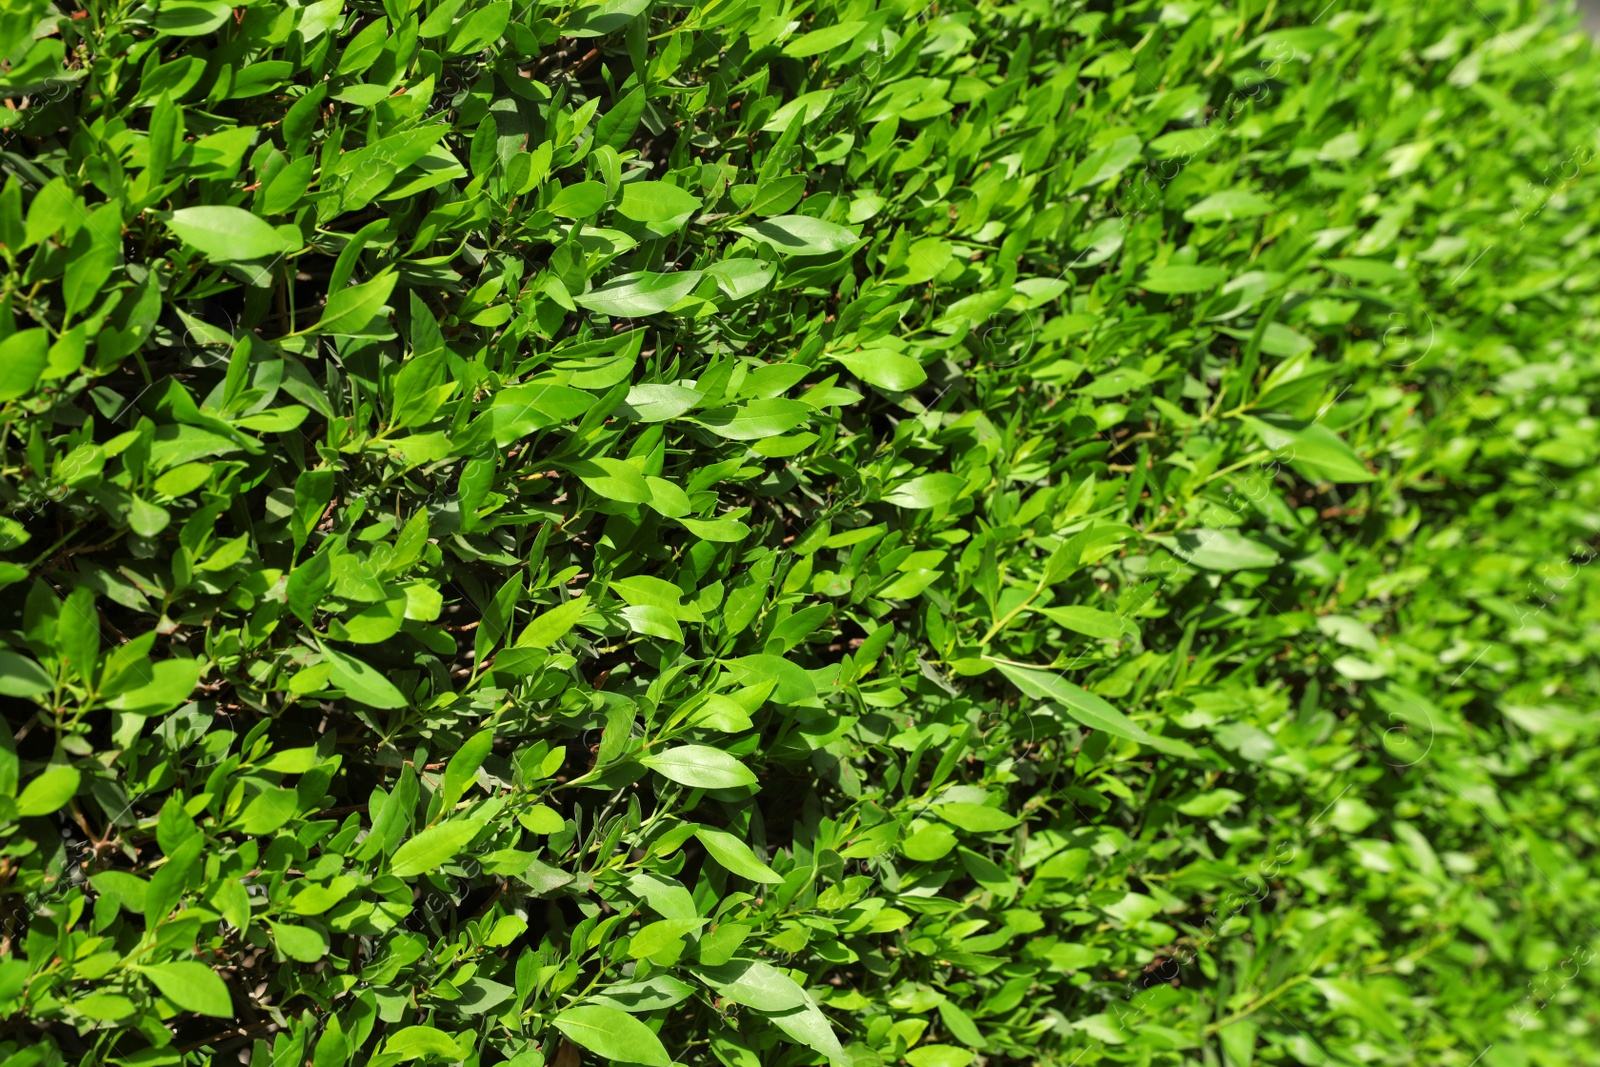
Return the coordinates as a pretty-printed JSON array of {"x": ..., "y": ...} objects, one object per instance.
[{"x": 766, "y": 533}]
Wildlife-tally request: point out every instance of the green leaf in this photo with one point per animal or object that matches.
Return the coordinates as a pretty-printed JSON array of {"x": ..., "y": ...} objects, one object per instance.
[
  {"x": 1179, "y": 278},
  {"x": 422, "y": 1042},
  {"x": 49, "y": 791},
  {"x": 357, "y": 311},
  {"x": 1312, "y": 449},
  {"x": 228, "y": 234},
  {"x": 613, "y": 479},
  {"x": 463, "y": 766},
  {"x": 170, "y": 682},
  {"x": 1225, "y": 550},
  {"x": 22, "y": 359},
  {"x": 976, "y": 818},
  {"x": 735, "y": 855},
  {"x": 268, "y": 810},
  {"x": 757, "y": 419},
  {"x": 754, "y": 984},
  {"x": 926, "y": 491},
  {"x": 939, "y": 1056},
  {"x": 300, "y": 943},
  {"x": 192, "y": 987},
  {"x": 1105, "y": 163},
  {"x": 361, "y": 682},
  {"x": 613, "y": 1034},
  {"x": 616, "y": 126},
  {"x": 800, "y": 235},
  {"x": 649, "y": 201},
  {"x": 883, "y": 368},
  {"x": 1086, "y": 707},
  {"x": 1092, "y": 622},
  {"x": 658, "y": 402},
  {"x": 22, "y": 677},
  {"x": 433, "y": 848},
  {"x": 1228, "y": 206},
  {"x": 639, "y": 293},
  {"x": 700, "y": 766},
  {"x": 551, "y": 626},
  {"x": 579, "y": 201}
]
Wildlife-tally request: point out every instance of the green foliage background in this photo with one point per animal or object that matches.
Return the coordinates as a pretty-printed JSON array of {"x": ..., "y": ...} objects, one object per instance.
[{"x": 762, "y": 532}]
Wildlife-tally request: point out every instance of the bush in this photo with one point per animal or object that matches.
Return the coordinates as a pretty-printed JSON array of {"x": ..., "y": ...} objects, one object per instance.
[{"x": 765, "y": 533}]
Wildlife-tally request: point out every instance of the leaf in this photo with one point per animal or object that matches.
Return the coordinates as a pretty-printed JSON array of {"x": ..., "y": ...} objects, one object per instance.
[
  {"x": 170, "y": 683},
  {"x": 355, "y": 311},
  {"x": 639, "y": 293},
  {"x": 192, "y": 987},
  {"x": 300, "y": 943},
  {"x": 939, "y": 1056},
  {"x": 463, "y": 766},
  {"x": 421, "y": 1042},
  {"x": 824, "y": 40},
  {"x": 883, "y": 368},
  {"x": 1178, "y": 278},
  {"x": 658, "y": 402},
  {"x": 977, "y": 818},
  {"x": 22, "y": 359},
  {"x": 613, "y": 1034},
  {"x": 700, "y": 767},
  {"x": 926, "y": 491},
  {"x": 809, "y": 1027},
  {"x": 757, "y": 419},
  {"x": 1212, "y": 802},
  {"x": 616, "y": 126},
  {"x": 649, "y": 201},
  {"x": 49, "y": 791},
  {"x": 433, "y": 848},
  {"x": 1224, "y": 550},
  {"x": 1228, "y": 206},
  {"x": 228, "y": 234},
  {"x": 104, "y": 1006},
  {"x": 22, "y": 677},
  {"x": 736, "y": 856},
  {"x": 754, "y": 984},
  {"x": 1090, "y": 622},
  {"x": 268, "y": 810},
  {"x": 361, "y": 682},
  {"x": 613, "y": 479},
  {"x": 1313, "y": 450},
  {"x": 551, "y": 626},
  {"x": 1086, "y": 707},
  {"x": 740, "y": 279},
  {"x": 579, "y": 201},
  {"x": 800, "y": 235},
  {"x": 1105, "y": 163}
]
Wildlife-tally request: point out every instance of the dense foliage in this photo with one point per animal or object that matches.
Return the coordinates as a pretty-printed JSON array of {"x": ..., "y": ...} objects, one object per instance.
[{"x": 757, "y": 532}]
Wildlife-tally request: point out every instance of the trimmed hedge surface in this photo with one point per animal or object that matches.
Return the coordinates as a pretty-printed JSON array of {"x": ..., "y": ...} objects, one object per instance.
[{"x": 761, "y": 533}]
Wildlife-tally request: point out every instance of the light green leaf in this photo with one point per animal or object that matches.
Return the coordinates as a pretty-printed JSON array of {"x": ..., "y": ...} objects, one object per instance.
[
  {"x": 614, "y": 1034},
  {"x": 700, "y": 767},
  {"x": 648, "y": 201},
  {"x": 1086, "y": 707},
  {"x": 639, "y": 293},
  {"x": 433, "y": 847},
  {"x": 49, "y": 791},
  {"x": 800, "y": 235},
  {"x": 754, "y": 984},
  {"x": 361, "y": 682},
  {"x": 228, "y": 234},
  {"x": 192, "y": 987},
  {"x": 735, "y": 855},
  {"x": 926, "y": 491}
]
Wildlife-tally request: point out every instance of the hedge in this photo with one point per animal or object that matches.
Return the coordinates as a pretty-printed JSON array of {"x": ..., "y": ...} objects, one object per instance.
[{"x": 754, "y": 532}]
